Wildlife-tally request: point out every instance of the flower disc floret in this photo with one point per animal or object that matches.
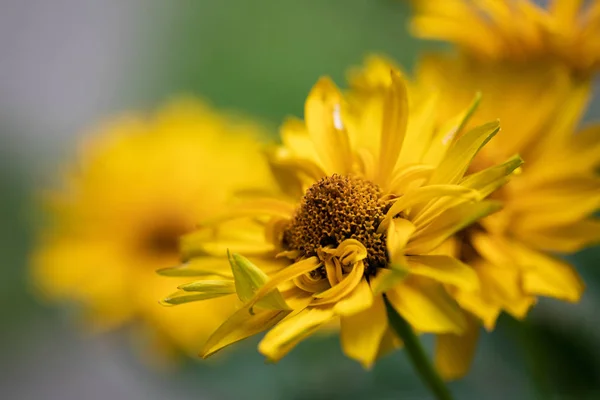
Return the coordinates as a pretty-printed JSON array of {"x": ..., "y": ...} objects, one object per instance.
[{"x": 337, "y": 208}]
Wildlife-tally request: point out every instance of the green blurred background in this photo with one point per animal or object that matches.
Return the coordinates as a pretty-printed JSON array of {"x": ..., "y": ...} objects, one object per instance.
[{"x": 67, "y": 64}]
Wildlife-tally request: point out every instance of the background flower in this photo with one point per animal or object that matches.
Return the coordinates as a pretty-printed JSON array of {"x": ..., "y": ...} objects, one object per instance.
[
  {"x": 560, "y": 31},
  {"x": 137, "y": 185}
]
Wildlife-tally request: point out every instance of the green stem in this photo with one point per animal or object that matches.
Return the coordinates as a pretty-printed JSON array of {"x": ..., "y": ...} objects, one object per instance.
[{"x": 416, "y": 354}]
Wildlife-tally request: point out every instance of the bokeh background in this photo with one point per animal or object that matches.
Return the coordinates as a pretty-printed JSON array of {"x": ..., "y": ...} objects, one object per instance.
[{"x": 67, "y": 64}]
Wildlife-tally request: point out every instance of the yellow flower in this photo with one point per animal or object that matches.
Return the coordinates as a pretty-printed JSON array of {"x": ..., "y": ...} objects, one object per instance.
[
  {"x": 369, "y": 188},
  {"x": 566, "y": 31},
  {"x": 140, "y": 182},
  {"x": 549, "y": 205}
]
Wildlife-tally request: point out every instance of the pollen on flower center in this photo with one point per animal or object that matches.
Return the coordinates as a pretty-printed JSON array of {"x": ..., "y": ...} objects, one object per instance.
[{"x": 335, "y": 209}]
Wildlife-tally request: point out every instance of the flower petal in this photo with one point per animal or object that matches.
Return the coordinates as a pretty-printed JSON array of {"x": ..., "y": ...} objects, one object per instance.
[
  {"x": 202, "y": 290},
  {"x": 548, "y": 276},
  {"x": 239, "y": 326},
  {"x": 444, "y": 269},
  {"x": 289, "y": 332},
  {"x": 201, "y": 266},
  {"x": 284, "y": 275},
  {"x": 454, "y": 353},
  {"x": 249, "y": 279},
  {"x": 360, "y": 299},
  {"x": 447, "y": 224},
  {"x": 490, "y": 179},
  {"x": 393, "y": 129},
  {"x": 459, "y": 156},
  {"x": 423, "y": 195},
  {"x": 330, "y": 139},
  {"x": 361, "y": 333},
  {"x": 427, "y": 307},
  {"x": 398, "y": 235}
]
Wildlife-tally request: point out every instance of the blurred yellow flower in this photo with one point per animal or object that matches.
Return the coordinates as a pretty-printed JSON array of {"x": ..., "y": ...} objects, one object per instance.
[
  {"x": 549, "y": 205},
  {"x": 368, "y": 191},
  {"x": 137, "y": 185},
  {"x": 567, "y": 31}
]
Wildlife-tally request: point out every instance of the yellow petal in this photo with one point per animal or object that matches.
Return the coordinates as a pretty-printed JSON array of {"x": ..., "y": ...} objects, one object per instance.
[
  {"x": 444, "y": 269},
  {"x": 289, "y": 332},
  {"x": 342, "y": 289},
  {"x": 484, "y": 310},
  {"x": 296, "y": 140},
  {"x": 459, "y": 156},
  {"x": 447, "y": 224},
  {"x": 361, "y": 333},
  {"x": 567, "y": 239},
  {"x": 329, "y": 137},
  {"x": 454, "y": 353},
  {"x": 200, "y": 290},
  {"x": 249, "y": 279},
  {"x": 360, "y": 299},
  {"x": 446, "y": 135},
  {"x": 502, "y": 285},
  {"x": 423, "y": 195},
  {"x": 490, "y": 179},
  {"x": 427, "y": 307},
  {"x": 551, "y": 277},
  {"x": 387, "y": 279},
  {"x": 286, "y": 274},
  {"x": 239, "y": 326},
  {"x": 201, "y": 266},
  {"x": 209, "y": 286},
  {"x": 393, "y": 129},
  {"x": 398, "y": 235},
  {"x": 389, "y": 342}
]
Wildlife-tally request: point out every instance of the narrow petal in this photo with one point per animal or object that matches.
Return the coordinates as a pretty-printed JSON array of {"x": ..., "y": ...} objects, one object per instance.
[
  {"x": 427, "y": 307},
  {"x": 484, "y": 310},
  {"x": 423, "y": 195},
  {"x": 239, "y": 326},
  {"x": 296, "y": 139},
  {"x": 398, "y": 235},
  {"x": 566, "y": 239},
  {"x": 446, "y": 135},
  {"x": 490, "y": 179},
  {"x": 211, "y": 290},
  {"x": 447, "y": 224},
  {"x": 209, "y": 286},
  {"x": 389, "y": 342},
  {"x": 201, "y": 266},
  {"x": 444, "y": 269},
  {"x": 289, "y": 332},
  {"x": 286, "y": 274},
  {"x": 548, "y": 276},
  {"x": 330, "y": 139},
  {"x": 361, "y": 333},
  {"x": 342, "y": 289},
  {"x": 386, "y": 279},
  {"x": 360, "y": 299},
  {"x": 454, "y": 353},
  {"x": 249, "y": 279},
  {"x": 393, "y": 130},
  {"x": 459, "y": 156}
]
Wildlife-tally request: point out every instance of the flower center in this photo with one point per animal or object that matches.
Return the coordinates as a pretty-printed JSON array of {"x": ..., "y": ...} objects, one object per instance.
[
  {"x": 162, "y": 239},
  {"x": 335, "y": 209}
]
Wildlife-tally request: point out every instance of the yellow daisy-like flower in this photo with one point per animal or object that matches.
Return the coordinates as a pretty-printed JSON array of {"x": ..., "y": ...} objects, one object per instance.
[
  {"x": 549, "y": 206},
  {"x": 369, "y": 191},
  {"x": 567, "y": 31},
  {"x": 138, "y": 184}
]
